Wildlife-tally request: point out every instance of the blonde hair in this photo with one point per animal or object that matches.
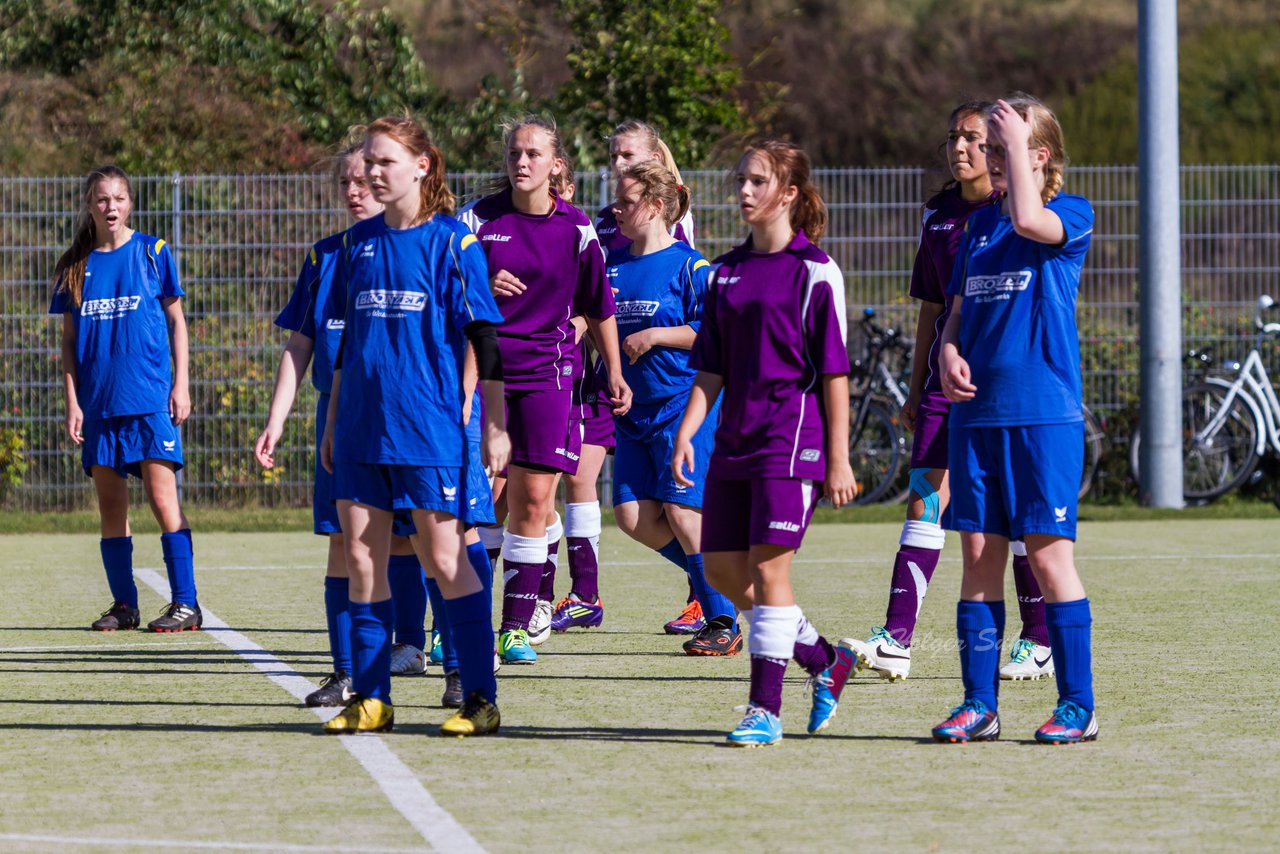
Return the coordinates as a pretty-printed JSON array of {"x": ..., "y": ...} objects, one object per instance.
[
  {"x": 510, "y": 128},
  {"x": 68, "y": 273},
  {"x": 435, "y": 195},
  {"x": 657, "y": 184},
  {"x": 653, "y": 139},
  {"x": 1046, "y": 132},
  {"x": 791, "y": 166},
  {"x": 352, "y": 145}
]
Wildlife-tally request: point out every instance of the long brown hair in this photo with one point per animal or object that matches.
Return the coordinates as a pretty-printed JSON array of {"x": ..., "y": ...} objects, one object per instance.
[
  {"x": 435, "y": 195},
  {"x": 658, "y": 184},
  {"x": 792, "y": 167},
  {"x": 1046, "y": 132},
  {"x": 963, "y": 110},
  {"x": 68, "y": 273}
]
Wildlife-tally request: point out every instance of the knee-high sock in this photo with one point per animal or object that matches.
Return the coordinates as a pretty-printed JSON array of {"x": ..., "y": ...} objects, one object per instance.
[
  {"x": 1030, "y": 599},
  {"x": 980, "y": 630},
  {"x": 771, "y": 643},
  {"x": 179, "y": 562},
  {"x": 337, "y": 613},
  {"x": 1070, "y": 630},
  {"x": 478, "y": 557},
  {"x": 918, "y": 551},
  {"x": 716, "y": 607},
  {"x": 471, "y": 622},
  {"x": 371, "y": 626},
  {"x": 409, "y": 593},
  {"x": 523, "y": 559},
  {"x": 491, "y": 537},
  {"x": 547, "y": 587},
  {"x": 582, "y": 536},
  {"x": 117, "y": 560},
  {"x": 812, "y": 651},
  {"x": 448, "y": 646}
]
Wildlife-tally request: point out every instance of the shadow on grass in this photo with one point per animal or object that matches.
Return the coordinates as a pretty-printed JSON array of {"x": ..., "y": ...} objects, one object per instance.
[
  {"x": 184, "y": 703},
  {"x": 657, "y": 735},
  {"x": 273, "y": 727}
]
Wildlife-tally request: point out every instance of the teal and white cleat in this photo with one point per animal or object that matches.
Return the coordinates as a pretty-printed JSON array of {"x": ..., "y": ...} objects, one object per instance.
[
  {"x": 1028, "y": 660},
  {"x": 514, "y": 648},
  {"x": 882, "y": 653},
  {"x": 759, "y": 728}
]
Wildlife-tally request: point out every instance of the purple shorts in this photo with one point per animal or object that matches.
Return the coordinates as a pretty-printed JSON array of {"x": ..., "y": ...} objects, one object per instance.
[
  {"x": 929, "y": 450},
  {"x": 777, "y": 511},
  {"x": 543, "y": 435},
  {"x": 597, "y": 425}
]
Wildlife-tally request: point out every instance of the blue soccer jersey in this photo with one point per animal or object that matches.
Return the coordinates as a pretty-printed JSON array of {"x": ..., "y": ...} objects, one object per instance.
[
  {"x": 1018, "y": 318},
  {"x": 122, "y": 337},
  {"x": 408, "y": 294},
  {"x": 661, "y": 289},
  {"x": 306, "y": 311}
]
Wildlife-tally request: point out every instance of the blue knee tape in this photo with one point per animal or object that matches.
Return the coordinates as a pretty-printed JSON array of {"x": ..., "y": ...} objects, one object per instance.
[{"x": 921, "y": 486}]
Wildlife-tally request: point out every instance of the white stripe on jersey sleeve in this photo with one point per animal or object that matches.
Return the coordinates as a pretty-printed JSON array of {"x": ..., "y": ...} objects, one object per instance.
[
  {"x": 924, "y": 223},
  {"x": 827, "y": 272},
  {"x": 467, "y": 216},
  {"x": 586, "y": 234}
]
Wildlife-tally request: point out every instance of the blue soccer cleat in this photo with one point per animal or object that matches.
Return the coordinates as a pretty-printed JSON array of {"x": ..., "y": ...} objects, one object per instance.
[
  {"x": 969, "y": 721},
  {"x": 1071, "y": 723},
  {"x": 514, "y": 648},
  {"x": 759, "y": 728},
  {"x": 827, "y": 686},
  {"x": 436, "y": 656}
]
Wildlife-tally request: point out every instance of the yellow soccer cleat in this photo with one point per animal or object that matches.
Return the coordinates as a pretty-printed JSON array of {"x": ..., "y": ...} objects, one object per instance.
[
  {"x": 362, "y": 714},
  {"x": 476, "y": 717}
]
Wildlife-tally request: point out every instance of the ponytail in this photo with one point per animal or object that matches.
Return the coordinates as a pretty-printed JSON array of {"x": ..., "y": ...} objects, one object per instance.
[
  {"x": 657, "y": 184},
  {"x": 792, "y": 167},
  {"x": 68, "y": 273},
  {"x": 433, "y": 190},
  {"x": 1046, "y": 132}
]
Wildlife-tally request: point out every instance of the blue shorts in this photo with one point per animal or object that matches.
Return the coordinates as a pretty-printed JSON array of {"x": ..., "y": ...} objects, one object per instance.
[
  {"x": 123, "y": 442},
  {"x": 324, "y": 513},
  {"x": 1014, "y": 481},
  {"x": 642, "y": 467},
  {"x": 393, "y": 488},
  {"x": 479, "y": 509}
]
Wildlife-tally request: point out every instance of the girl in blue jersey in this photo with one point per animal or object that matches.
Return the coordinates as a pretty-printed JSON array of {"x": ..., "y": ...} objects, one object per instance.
[
  {"x": 414, "y": 288},
  {"x": 314, "y": 333},
  {"x": 659, "y": 285},
  {"x": 1010, "y": 363},
  {"x": 124, "y": 365},
  {"x": 773, "y": 338}
]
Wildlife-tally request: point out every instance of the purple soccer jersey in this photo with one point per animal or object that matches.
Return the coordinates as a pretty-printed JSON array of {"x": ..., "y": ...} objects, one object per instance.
[
  {"x": 611, "y": 237},
  {"x": 772, "y": 325},
  {"x": 558, "y": 258},
  {"x": 944, "y": 218}
]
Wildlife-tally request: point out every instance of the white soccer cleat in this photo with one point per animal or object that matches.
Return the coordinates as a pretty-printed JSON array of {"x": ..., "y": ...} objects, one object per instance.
[
  {"x": 1028, "y": 660},
  {"x": 881, "y": 653},
  {"x": 407, "y": 660},
  {"x": 540, "y": 623}
]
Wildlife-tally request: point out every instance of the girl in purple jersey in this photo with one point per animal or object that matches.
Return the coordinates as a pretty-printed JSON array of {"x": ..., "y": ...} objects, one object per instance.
[
  {"x": 888, "y": 650},
  {"x": 773, "y": 338},
  {"x": 124, "y": 371},
  {"x": 1010, "y": 362},
  {"x": 546, "y": 268}
]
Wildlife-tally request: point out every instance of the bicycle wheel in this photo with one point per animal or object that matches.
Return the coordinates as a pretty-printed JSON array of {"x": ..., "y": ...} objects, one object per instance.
[
  {"x": 1092, "y": 450},
  {"x": 877, "y": 448},
  {"x": 1218, "y": 453}
]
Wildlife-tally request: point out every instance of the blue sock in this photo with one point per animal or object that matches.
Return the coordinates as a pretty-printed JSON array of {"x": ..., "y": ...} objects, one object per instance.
[
  {"x": 409, "y": 592},
  {"x": 117, "y": 560},
  {"x": 714, "y": 603},
  {"x": 179, "y": 562},
  {"x": 371, "y": 648},
  {"x": 337, "y": 613},
  {"x": 980, "y": 628},
  {"x": 478, "y": 556},
  {"x": 471, "y": 621},
  {"x": 674, "y": 552},
  {"x": 447, "y": 647},
  {"x": 1069, "y": 632}
]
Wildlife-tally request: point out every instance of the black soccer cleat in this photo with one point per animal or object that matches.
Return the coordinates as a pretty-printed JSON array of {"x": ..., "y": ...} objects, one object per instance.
[
  {"x": 118, "y": 617},
  {"x": 452, "y": 698},
  {"x": 177, "y": 617},
  {"x": 334, "y": 690}
]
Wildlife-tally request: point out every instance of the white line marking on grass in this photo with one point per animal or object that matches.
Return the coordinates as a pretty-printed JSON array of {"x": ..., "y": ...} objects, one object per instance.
[
  {"x": 398, "y": 783},
  {"x": 178, "y": 844},
  {"x": 100, "y": 647}
]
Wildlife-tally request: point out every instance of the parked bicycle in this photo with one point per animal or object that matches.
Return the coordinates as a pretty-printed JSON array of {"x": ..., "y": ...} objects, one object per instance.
[
  {"x": 1228, "y": 420},
  {"x": 879, "y": 450}
]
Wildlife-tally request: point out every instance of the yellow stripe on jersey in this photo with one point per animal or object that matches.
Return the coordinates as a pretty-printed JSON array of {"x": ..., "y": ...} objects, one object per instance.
[
  {"x": 467, "y": 241},
  {"x": 159, "y": 246},
  {"x": 698, "y": 265},
  {"x": 313, "y": 256},
  {"x": 457, "y": 263}
]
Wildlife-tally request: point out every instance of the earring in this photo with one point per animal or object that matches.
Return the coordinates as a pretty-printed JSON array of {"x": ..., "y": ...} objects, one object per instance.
[{"x": 420, "y": 174}]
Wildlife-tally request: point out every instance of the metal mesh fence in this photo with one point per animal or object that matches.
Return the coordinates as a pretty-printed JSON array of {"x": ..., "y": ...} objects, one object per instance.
[{"x": 239, "y": 240}]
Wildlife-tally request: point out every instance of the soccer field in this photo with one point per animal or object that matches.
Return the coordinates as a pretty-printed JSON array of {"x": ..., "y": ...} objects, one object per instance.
[{"x": 614, "y": 739}]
